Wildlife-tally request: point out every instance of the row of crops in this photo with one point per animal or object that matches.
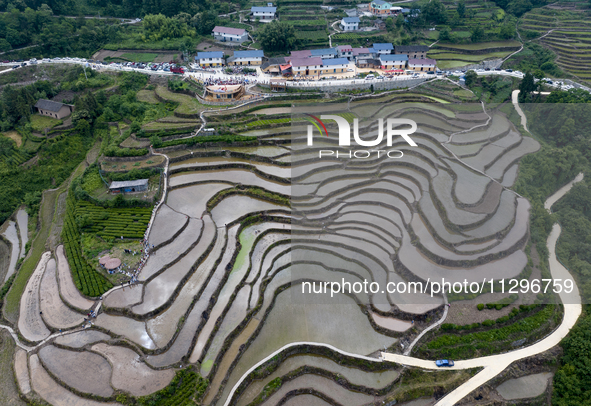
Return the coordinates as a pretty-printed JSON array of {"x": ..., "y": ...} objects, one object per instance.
[
  {"x": 186, "y": 388},
  {"x": 14, "y": 157},
  {"x": 87, "y": 280},
  {"x": 110, "y": 223}
]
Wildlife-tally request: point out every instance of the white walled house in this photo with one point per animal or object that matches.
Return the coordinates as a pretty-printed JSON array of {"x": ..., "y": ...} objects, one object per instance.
[
  {"x": 345, "y": 51},
  {"x": 227, "y": 34},
  {"x": 263, "y": 13},
  {"x": 393, "y": 61},
  {"x": 334, "y": 65},
  {"x": 247, "y": 58},
  {"x": 422, "y": 65},
  {"x": 210, "y": 59},
  {"x": 382, "y": 48},
  {"x": 350, "y": 24},
  {"x": 306, "y": 66}
]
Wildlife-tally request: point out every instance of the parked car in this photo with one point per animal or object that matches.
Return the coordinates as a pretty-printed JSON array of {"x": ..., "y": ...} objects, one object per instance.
[
  {"x": 509, "y": 70},
  {"x": 370, "y": 77},
  {"x": 444, "y": 363}
]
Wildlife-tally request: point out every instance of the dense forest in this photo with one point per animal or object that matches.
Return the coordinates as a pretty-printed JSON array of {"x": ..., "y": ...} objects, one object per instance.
[
  {"x": 562, "y": 123},
  {"x": 118, "y": 8}
]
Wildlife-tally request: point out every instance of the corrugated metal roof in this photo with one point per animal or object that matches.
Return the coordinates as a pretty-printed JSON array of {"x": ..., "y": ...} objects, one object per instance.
[
  {"x": 249, "y": 54},
  {"x": 335, "y": 61},
  {"x": 391, "y": 57},
  {"x": 383, "y": 46},
  {"x": 228, "y": 30},
  {"x": 49, "y": 105},
  {"x": 351, "y": 19},
  {"x": 301, "y": 54},
  {"x": 411, "y": 48},
  {"x": 428, "y": 62},
  {"x": 325, "y": 51},
  {"x": 313, "y": 61},
  {"x": 128, "y": 183},
  {"x": 203, "y": 55},
  {"x": 263, "y": 9}
]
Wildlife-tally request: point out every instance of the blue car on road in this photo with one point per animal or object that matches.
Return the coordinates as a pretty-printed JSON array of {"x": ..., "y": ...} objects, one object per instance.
[{"x": 444, "y": 363}]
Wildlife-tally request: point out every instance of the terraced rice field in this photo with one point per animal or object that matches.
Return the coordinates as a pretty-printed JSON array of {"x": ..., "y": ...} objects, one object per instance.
[
  {"x": 222, "y": 290},
  {"x": 570, "y": 38}
]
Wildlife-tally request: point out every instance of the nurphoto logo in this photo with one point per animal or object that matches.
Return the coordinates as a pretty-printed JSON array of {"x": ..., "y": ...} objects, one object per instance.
[{"x": 393, "y": 129}]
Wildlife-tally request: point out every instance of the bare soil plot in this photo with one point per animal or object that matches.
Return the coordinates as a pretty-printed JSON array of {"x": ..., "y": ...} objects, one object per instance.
[
  {"x": 391, "y": 323},
  {"x": 16, "y": 137},
  {"x": 85, "y": 371},
  {"x": 166, "y": 224},
  {"x": 55, "y": 313},
  {"x": 82, "y": 338},
  {"x": 52, "y": 392},
  {"x": 30, "y": 322},
  {"x": 130, "y": 374},
  {"x": 67, "y": 287}
]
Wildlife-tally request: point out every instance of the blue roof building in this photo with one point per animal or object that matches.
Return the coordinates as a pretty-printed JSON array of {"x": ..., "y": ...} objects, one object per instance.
[
  {"x": 208, "y": 55},
  {"x": 324, "y": 53},
  {"x": 335, "y": 61}
]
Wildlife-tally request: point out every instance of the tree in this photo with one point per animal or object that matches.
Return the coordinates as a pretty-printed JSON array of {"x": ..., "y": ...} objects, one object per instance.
[
  {"x": 507, "y": 31},
  {"x": 476, "y": 34},
  {"x": 434, "y": 12},
  {"x": 444, "y": 35},
  {"x": 278, "y": 37},
  {"x": 83, "y": 128},
  {"x": 519, "y": 7},
  {"x": 461, "y": 9},
  {"x": 471, "y": 78},
  {"x": 156, "y": 141},
  {"x": 526, "y": 86},
  {"x": 389, "y": 24},
  {"x": 204, "y": 22},
  {"x": 400, "y": 20}
]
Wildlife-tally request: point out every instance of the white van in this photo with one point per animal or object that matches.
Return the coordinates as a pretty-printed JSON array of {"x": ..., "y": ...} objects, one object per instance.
[{"x": 370, "y": 77}]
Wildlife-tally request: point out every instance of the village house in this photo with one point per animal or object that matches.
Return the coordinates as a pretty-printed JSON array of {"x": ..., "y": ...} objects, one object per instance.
[
  {"x": 345, "y": 51},
  {"x": 53, "y": 109},
  {"x": 129, "y": 186},
  {"x": 382, "y": 48},
  {"x": 306, "y": 66},
  {"x": 248, "y": 58},
  {"x": 380, "y": 7},
  {"x": 393, "y": 61},
  {"x": 350, "y": 24},
  {"x": 263, "y": 13},
  {"x": 412, "y": 51},
  {"x": 210, "y": 59},
  {"x": 334, "y": 65},
  {"x": 422, "y": 65},
  {"x": 227, "y": 34}
]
